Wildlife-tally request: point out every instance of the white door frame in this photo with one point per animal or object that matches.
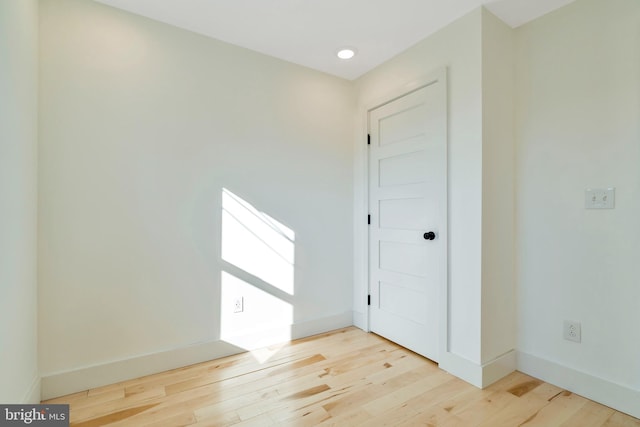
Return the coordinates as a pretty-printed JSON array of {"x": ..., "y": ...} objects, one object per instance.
[{"x": 361, "y": 212}]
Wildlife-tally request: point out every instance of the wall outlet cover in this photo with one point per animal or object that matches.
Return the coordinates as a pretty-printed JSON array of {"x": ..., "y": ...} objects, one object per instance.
[
  {"x": 572, "y": 331},
  {"x": 599, "y": 198},
  {"x": 238, "y": 305}
]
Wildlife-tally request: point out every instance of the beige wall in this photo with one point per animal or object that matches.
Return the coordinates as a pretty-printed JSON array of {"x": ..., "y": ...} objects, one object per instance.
[
  {"x": 18, "y": 199},
  {"x": 578, "y": 109},
  {"x": 142, "y": 126},
  {"x": 498, "y": 189}
]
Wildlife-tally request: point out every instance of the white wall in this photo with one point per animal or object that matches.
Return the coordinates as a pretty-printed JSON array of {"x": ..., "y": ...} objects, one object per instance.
[
  {"x": 18, "y": 200},
  {"x": 458, "y": 47},
  {"x": 498, "y": 189},
  {"x": 578, "y": 104},
  {"x": 142, "y": 126}
]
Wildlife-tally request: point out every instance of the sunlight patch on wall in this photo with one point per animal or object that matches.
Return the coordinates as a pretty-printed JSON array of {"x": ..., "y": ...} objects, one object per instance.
[
  {"x": 264, "y": 324},
  {"x": 256, "y": 243}
]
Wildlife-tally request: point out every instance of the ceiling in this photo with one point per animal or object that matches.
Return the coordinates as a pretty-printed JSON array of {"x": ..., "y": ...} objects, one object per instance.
[{"x": 309, "y": 32}]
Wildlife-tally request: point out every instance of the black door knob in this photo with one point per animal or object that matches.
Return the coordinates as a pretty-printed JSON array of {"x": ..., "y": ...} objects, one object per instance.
[{"x": 430, "y": 235}]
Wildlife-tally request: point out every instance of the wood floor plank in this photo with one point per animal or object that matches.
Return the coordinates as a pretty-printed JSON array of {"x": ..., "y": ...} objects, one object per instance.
[
  {"x": 342, "y": 378},
  {"x": 394, "y": 399},
  {"x": 547, "y": 391},
  {"x": 479, "y": 410},
  {"x": 619, "y": 419},
  {"x": 521, "y": 411},
  {"x": 70, "y": 398},
  {"x": 94, "y": 410},
  {"x": 352, "y": 418},
  {"x": 306, "y": 418},
  {"x": 97, "y": 399},
  {"x": 434, "y": 416},
  {"x": 557, "y": 411},
  {"x": 112, "y": 417},
  {"x": 592, "y": 414}
]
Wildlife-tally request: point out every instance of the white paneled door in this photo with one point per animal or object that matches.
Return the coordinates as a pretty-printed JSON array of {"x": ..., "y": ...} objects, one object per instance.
[{"x": 408, "y": 208}]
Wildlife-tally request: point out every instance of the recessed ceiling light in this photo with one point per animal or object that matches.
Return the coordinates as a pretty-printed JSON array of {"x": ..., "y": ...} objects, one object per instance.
[{"x": 346, "y": 53}]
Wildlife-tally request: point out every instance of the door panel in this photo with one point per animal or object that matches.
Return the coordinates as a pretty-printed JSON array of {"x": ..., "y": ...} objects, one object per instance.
[
  {"x": 406, "y": 168},
  {"x": 402, "y": 302},
  {"x": 408, "y": 198},
  {"x": 401, "y": 126},
  {"x": 405, "y": 214},
  {"x": 403, "y": 258}
]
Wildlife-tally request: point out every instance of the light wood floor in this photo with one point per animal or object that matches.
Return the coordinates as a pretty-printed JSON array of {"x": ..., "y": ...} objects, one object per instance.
[{"x": 342, "y": 378}]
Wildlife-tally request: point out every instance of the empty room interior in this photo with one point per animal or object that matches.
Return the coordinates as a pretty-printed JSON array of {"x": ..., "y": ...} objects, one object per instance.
[{"x": 179, "y": 185}]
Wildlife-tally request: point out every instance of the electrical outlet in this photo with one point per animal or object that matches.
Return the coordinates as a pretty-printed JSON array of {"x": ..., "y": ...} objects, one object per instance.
[
  {"x": 572, "y": 331},
  {"x": 599, "y": 198},
  {"x": 238, "y": 305}
]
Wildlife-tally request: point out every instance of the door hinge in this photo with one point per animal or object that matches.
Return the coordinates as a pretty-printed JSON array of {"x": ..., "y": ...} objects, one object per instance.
[
  {"x": 369, "y": 219},
  {"x": 368, "y": 299},
  {"x": 368, "y": 139}
]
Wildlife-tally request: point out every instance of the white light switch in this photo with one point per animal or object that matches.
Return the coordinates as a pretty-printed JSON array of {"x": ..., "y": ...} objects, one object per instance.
[{"x": 599, "y": 198}]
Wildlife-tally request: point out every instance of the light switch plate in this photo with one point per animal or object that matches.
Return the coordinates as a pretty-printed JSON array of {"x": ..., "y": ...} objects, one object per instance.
[{"x": 599, "y": 198}]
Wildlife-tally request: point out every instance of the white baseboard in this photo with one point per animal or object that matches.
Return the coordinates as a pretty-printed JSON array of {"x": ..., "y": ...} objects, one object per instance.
[
  {"x": 33, "y": 394},
  {"x": 63, "y": 383},
  {"x": 319, "y": 326},
  {"x": 480, "y": 376},
  {"x": 360, "y": 320},
  {"x": 499, "y": 368},
  {"x": 614, "y": 395},
  {"x": 461, "y": 368}
]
